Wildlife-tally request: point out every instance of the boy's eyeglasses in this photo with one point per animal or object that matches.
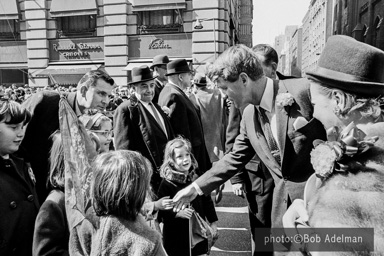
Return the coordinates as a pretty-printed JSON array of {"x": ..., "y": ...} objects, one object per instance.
[{"x": 104, "y": 133}]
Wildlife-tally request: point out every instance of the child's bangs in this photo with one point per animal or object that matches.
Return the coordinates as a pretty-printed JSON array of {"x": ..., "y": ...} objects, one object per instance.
[{"x": 15, "y": 114}]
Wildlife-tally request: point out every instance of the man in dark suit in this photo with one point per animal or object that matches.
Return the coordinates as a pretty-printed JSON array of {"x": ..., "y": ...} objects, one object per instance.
[
  {"x": 254, "y": 181},
  {"x": 92, "y": 92},
  {"x": 159, "y": 68},
  {"x": 141, "y": 125},
  {"x": 277, "y": 125},
  {"x": 184, "y": 117}
]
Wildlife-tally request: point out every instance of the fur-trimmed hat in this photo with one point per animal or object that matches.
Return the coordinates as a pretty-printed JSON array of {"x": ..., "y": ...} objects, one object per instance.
[
  {"x": 141, "y": 74},
  {"x": 177, "y": 66},
  {"x": 352, "y": 66}
]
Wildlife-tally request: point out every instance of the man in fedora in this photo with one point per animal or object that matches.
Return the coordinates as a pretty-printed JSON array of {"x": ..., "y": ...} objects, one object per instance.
[
  {"x": 159, "y": 67},
  {"x": 184, "y": 117},
  {"x": 141, "y": 125},
  {"x": 277, "y": 125}
]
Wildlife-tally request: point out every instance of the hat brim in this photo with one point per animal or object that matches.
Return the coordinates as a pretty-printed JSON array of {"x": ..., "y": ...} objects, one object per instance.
[
  {"x": 363, "y": 88},
  {"x": 141, "y": 81},
  {"x": 178, "y": 72}
]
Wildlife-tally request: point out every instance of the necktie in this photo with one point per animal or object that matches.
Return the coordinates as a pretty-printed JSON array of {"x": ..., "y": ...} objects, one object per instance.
[
  {"x": 156, "y": 115},
  {"x": 265, "y": 125}
]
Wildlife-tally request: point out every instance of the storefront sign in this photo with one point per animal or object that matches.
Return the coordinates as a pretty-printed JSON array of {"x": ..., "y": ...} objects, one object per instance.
[
  {"x": 77, "y": 49},
  {"x": 158, "y": 44},
  {"x": 148, "y": 46}
]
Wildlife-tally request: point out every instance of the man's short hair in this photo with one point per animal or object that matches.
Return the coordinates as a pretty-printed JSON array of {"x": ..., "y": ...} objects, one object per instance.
[
  {"x": 268, "y": 52},
  {"x": 233, "y": 61},
  {"x": 90, "y": 78}
]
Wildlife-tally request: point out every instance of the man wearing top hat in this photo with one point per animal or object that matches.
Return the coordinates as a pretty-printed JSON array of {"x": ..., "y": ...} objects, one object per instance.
[
  {"x": 184, "y": 116},
  {"x": 141, "y": 125},
  {"x": 159, "y": 67}
]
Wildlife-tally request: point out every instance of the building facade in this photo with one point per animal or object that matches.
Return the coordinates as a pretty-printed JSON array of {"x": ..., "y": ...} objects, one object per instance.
[
  {"x": 317, "y": 27},
  {"x": 245, "y": 22},
  {"x": 295, "y": 53},
  {"x": 46, "y": 42},
  {"x": 361, "y": 20}
]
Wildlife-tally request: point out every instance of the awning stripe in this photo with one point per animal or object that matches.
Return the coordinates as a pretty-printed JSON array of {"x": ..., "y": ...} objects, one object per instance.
[
  {"x": 60, "y": 8},
  {"x": 9, "y": 10}
]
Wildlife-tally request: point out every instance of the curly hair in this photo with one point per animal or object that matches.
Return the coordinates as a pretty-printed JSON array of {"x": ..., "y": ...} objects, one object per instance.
[{"x": 234, "y": 61}]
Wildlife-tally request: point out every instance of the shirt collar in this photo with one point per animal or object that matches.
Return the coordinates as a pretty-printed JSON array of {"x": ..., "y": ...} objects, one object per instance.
[{"x": 267, "y": 99}]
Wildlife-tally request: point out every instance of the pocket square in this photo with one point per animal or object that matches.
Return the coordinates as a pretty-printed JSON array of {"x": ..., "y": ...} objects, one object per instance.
[{"x": 299, "y": 123}]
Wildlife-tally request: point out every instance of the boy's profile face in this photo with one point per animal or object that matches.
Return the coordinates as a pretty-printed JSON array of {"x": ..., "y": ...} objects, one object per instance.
[{"x": 11, "y": 136}]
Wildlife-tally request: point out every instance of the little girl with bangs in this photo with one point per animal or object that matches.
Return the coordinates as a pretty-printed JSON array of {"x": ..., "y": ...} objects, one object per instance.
[{"x": 178, "y": 171}]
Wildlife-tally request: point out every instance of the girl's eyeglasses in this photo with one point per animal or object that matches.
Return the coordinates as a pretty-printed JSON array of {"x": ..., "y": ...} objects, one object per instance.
[{"x": 104, "y": 133}]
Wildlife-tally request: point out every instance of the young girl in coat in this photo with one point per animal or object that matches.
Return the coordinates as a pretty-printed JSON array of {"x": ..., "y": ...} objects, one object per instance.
[
  {"x": 18, "y": 199},
  {"x": 178, "y": 171}
]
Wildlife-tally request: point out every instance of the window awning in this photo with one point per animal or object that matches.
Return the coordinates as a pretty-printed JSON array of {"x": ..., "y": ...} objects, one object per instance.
[
  {"x": 139, "y": 62},
  {"x": 66, "y": 74},
  {"x": 149, "y": 5},
  {"x": 13, "y": 66},
  {"x": 61, "y": 8},
  {"x": 9, "y": 10}
]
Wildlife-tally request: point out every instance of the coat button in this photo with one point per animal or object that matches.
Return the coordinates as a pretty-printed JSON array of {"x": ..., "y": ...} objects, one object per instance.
[
  {"x": 30, "y": 198},
  {"x": 13, "y": 205}
]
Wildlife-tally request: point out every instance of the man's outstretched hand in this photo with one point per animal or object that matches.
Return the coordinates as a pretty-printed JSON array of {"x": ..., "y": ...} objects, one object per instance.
[{"x": 184, "y": 197}]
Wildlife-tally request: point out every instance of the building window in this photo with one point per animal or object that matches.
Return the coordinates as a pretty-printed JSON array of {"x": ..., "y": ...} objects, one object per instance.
[
  {"x": 9, "y": 30},
  {"x": 161, "y": 21},
  {"x": 76, "y": 26}
]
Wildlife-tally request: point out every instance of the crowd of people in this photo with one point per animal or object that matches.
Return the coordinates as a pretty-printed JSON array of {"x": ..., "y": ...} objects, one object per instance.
[{"x": 107, "y": 170}]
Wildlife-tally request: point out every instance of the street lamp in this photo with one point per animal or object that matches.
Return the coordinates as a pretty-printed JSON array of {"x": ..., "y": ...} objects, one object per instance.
[{"x": 199, "y": 25}]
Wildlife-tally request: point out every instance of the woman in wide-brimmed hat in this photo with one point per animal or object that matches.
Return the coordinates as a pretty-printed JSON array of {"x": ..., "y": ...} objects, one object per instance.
[{"x": 347, "y": 189}]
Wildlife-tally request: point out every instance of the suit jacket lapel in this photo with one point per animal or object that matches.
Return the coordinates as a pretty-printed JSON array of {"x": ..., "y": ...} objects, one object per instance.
[
  {"x": 259, "y": 143},
  {"x": 281, "y": 119}
]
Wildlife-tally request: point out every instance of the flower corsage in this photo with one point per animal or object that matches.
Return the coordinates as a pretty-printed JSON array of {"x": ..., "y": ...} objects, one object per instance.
[
  {"x": 284, "y": 99},
  {"x": 332, "y": 155}
]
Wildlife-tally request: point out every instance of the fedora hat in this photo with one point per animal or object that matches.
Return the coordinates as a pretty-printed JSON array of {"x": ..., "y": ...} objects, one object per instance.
[
  {"x": 177, "y": 66},
  {"x": 352, "y": 66},
  {"x": 200, "y": 79},
  {"x": 141, "y": 74},
  {"x": 159, "y": 60}
]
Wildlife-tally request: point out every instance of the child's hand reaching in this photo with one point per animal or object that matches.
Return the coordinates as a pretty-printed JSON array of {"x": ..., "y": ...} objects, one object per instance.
[
  {"x": 164, "y": 203},
  {"x": 185, "y": 213}
]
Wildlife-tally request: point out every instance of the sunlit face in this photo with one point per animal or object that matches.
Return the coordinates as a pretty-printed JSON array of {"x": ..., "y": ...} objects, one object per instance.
[
  {"x": 183, "y": 159},
  {"x": 105, "y": 135},
  {"x": 186, "y": 79},
  {"x": 323, "y": 107},
  {"x": 233, "y": 90},
  {"x": 97, "y": 97},
  {"x": 145, "y": 91},
  {"x": 11, "y": 136}
]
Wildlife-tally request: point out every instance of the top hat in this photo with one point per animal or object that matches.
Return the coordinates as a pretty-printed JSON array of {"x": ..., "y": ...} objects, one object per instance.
[
  {"x": 159, "y": 60},
  {"x": 177, "y": 66},
  {"x": 141, "y": 74},
  {"x": 352, "y": 66},
  {"x": 200, "y": 79}
]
